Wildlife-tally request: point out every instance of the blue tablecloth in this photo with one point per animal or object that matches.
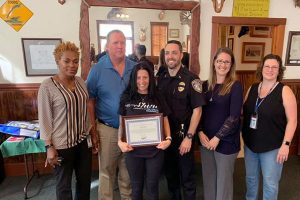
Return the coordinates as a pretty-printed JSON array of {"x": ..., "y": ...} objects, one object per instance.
[{"x": 26, "y": 146}]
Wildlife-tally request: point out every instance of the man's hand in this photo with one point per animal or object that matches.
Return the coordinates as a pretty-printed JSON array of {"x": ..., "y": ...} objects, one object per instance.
[{"x": 185, "y": 146}]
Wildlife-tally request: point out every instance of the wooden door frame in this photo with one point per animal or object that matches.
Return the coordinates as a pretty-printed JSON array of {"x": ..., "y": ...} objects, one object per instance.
[{"x": 277, "y": 32}]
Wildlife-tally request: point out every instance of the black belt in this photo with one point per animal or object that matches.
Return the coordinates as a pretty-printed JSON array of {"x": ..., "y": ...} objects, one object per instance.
[{"x": 107, "y": 124}]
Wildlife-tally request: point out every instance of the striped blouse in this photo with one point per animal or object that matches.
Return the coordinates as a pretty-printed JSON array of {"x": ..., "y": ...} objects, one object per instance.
[{"x": 63, "y": 116}]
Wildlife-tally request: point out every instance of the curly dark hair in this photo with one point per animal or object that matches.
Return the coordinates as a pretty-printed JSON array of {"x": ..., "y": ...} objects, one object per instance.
[{"x": 261, "y": 65}]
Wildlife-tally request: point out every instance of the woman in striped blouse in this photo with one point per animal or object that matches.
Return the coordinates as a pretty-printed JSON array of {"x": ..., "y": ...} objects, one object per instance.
[{"x": 64, "y": 124}]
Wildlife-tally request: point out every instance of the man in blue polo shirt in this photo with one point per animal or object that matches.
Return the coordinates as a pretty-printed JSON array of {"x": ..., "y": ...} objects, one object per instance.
[{"x": 106, "y": 82}]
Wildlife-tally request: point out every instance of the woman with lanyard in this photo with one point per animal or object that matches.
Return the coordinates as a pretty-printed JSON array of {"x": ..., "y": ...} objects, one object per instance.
[{"x": 270, "y": 121}]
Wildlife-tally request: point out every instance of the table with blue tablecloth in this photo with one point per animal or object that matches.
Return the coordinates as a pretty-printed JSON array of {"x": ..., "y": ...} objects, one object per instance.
[{"x": 28, "y": 146}]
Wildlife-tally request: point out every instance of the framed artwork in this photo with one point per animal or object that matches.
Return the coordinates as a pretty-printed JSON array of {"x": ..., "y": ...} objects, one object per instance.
[
  {"x": 230, "y": 43},
  {"x": 292, "y": 57},
  {"x": 260, "y": 31},
  {"x": 231, "y": 30},
  {"x": 253, "y": 52},
  {"x": 38, "y": 56},
  {"x": 174, "y": 33}
]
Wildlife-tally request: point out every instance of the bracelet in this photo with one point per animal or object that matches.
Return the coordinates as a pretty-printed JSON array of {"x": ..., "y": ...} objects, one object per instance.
[{"x": 169, "y": 138}]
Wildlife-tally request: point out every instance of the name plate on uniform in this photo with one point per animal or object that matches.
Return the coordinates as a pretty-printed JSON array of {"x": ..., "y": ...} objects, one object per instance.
[{"x": 142, "y": 130}]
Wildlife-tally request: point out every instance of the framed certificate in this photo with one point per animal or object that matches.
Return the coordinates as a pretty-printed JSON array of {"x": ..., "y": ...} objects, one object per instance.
[{"x": 142, "y": 130}]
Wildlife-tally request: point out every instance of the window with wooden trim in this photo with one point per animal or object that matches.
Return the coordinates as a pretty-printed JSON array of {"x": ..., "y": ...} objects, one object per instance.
[
  {"x": 105, "y": 26},
  {"x": 159, "y": 36}
]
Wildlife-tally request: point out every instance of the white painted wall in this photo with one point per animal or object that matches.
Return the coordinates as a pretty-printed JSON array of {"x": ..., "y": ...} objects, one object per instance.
[
  {"x": 49, "y": 20},
  {"x": 278, "y": 9},
  {"x": 53, "y": 20},
  {"x": 140, "y": 18}
]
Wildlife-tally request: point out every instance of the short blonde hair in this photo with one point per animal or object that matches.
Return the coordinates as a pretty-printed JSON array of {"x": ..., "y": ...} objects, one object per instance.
[{"x": 63, "y": 47}]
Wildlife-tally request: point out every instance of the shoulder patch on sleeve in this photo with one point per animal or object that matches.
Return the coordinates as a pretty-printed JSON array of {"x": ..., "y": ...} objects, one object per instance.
[{"x": 197, "y": 85}]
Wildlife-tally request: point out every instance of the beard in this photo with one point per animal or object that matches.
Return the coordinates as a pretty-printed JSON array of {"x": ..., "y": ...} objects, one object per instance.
[{"x": 174, "y": 64}]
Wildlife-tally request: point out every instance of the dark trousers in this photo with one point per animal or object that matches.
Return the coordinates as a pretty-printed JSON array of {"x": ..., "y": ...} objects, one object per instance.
[
  {"x": 179, "y": 170},
  {"x": 79, "y": 159},
  {"x": 145, "y": 168}
]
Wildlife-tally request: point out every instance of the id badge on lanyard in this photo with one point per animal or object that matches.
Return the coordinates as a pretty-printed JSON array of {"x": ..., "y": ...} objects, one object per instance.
[{"x": 253, "y": 121}]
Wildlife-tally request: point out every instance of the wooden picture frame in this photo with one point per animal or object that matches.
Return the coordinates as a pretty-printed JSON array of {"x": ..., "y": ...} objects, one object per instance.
[
  {"x": 174, "y": 33},
  {"x": 230, "y": 43},
  {"x": 292, "y": 57},
  {"x": 38, "y": 56},
  {"x": 231, "y": 30},
  {"x": 253, "y": 52},
  {"x": 260, "y": 31}
]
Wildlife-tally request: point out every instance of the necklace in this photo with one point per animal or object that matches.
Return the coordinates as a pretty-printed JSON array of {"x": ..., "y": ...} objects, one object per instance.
[
  {"x": 213, "y": 92},
  {"x": 70, "y": 85}
]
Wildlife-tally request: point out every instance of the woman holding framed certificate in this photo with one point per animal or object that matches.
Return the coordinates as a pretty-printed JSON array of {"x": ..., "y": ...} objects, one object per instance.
[{"x": 144, "y": 142}]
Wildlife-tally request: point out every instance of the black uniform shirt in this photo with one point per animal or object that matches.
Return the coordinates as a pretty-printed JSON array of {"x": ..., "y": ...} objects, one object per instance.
[{"x": 183, "y": 93}]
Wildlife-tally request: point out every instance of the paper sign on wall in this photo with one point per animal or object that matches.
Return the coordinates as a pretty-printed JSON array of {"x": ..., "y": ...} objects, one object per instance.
[
  {"x": 251, "y": 8},
  {"x": 15, "y": 13}
]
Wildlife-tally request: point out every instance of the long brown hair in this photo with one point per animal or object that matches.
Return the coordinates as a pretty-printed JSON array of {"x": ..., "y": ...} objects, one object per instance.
[{"x": 230, "y": 76}]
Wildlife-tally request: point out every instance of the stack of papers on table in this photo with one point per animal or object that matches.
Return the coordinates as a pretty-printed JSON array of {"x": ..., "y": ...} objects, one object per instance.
[{"x": 21, "y": 128}]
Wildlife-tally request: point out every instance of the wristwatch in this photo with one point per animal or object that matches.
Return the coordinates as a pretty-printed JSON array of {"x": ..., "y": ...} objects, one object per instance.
[
  {"x": 287, "y": 143},
  {"x": 48, "y": 146},
  {"x": 189, "y": 136}
]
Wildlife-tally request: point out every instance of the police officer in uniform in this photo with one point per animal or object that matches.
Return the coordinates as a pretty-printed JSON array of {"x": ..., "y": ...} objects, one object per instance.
[{"x": 183, "y": 93}]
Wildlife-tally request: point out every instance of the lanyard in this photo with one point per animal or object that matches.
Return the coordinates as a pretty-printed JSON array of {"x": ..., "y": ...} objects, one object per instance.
[{"x": 257, "y": 104}]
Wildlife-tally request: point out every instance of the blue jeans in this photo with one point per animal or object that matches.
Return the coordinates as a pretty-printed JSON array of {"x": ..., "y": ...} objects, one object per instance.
[{"x": 271, "y": 172}]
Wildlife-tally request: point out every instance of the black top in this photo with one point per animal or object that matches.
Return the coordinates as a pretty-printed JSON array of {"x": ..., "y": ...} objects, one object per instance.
[
  {"x": 271, "y": 122},
  {"x": 183, "y": 93},
  {"x": 141, "y": 105},
  {"x": 221, "y": 117}
]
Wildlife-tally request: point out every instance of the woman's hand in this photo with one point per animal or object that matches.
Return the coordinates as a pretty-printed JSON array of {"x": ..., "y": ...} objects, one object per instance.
[
  {"x": 283, "y": 153},
  {"x": 52, "y": 157},
  {"x": 203, "y": 139},
  {"x": 164, "y": 144},
  {"x": 125, "y": 147},
  {"x": 213, "y": 143}
]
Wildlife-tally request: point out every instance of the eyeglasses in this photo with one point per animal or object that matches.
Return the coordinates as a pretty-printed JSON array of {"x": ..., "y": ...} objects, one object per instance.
[
  {"x": 225, "y": 62},
  {"x": 271, "y": 67}
]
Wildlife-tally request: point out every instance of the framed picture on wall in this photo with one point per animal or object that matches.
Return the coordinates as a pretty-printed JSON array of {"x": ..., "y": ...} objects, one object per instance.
[
  {"x": 38, "y": 56},
  {"x": 253, "y": 52},
  {"x": 292, "y": 57},
  {"x": 174, "y": 33},
  {"x": 260, "y": 31},
  {"x": 231, "y": 30},
  {"x": 230, "y": 43}
]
